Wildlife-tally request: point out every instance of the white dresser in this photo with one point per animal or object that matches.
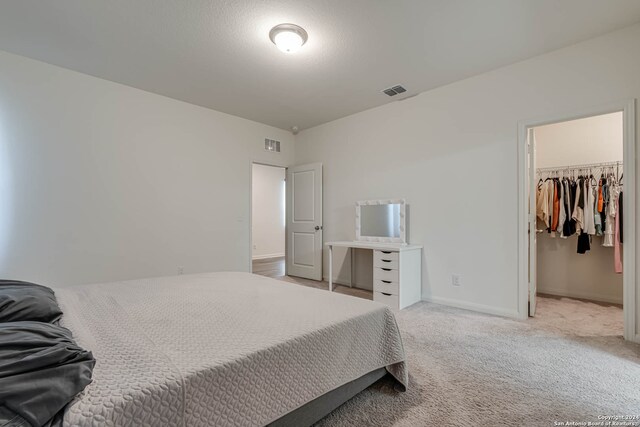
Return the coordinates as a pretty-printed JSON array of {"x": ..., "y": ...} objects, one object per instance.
[{"x": 397, "y": 271}]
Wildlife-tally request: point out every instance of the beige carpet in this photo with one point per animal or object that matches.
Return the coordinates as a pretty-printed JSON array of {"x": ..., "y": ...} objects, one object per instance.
[{"x": 467, "y": 369}]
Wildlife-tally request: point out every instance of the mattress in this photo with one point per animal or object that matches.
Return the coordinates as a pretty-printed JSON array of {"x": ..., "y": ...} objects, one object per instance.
[{"x": 229, "y": 348}]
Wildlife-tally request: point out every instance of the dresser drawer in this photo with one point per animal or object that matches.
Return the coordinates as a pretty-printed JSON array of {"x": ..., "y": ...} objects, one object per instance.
[
  {"x": 390, "y": 300},
  {"x": 386, "y": 286},
  {"x": 390, "y": 275},
  {"x": 385, "y": 263},
  {"x": 385, "y": 255}
]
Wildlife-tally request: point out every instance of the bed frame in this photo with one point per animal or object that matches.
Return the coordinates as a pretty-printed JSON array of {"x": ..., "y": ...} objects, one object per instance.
[{"x": 320, "y": 407}]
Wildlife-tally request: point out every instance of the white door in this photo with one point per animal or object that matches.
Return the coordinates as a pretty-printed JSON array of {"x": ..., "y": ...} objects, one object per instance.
[
  {"x": 304, "y": 221},
  {"x": 533, "y": 184}
]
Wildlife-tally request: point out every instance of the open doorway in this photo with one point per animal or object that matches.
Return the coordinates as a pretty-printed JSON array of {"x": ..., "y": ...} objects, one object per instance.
[
  {"x": 527, "y": 212},
  {"x": 268, "y": 221},
  {"x": 579, "y": 188}
]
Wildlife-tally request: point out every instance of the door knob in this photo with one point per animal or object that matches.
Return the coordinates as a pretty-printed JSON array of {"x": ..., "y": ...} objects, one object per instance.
[{"x": 317, "y": 227}]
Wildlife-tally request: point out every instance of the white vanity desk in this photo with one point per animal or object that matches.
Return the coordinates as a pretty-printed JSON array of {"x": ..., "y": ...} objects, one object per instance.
[{"x": 397, "y": 271}]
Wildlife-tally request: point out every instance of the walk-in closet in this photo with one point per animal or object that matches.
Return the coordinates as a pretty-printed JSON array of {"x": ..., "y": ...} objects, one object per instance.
[{"x": 579, "y": 194}]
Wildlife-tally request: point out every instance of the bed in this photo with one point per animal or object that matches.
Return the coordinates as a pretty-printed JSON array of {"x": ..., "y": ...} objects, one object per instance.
[{"x": 224, "y": 349}]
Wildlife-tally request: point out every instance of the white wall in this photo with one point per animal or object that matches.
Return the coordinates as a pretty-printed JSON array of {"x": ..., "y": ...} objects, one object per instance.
[
  {"x": 103, "y": 182},
  {"x": 595, "y": 139},
  {"x": 452, "y": 153},
  {"x": 268, "y": 211},
  {"x": 561, "y": 270}
]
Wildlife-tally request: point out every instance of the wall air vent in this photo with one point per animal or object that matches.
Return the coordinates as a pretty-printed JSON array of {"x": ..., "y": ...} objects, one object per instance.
[
  {"x": 393, "y": 91},
  {"x": 272, "y": 145}
]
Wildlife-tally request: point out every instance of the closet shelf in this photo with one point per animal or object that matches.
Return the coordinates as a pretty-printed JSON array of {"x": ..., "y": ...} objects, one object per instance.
[{"x": 581, "y": 167}]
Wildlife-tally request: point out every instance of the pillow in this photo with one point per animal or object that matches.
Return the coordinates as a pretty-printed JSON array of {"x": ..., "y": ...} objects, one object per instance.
[{"x": 24, "y": 301}]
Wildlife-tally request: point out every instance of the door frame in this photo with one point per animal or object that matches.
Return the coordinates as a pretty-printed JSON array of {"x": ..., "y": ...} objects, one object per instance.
[
  {"x": 532, "y": 233},
  {"x": 630, "y": 285},
  {"x": 251, "y": 163}
]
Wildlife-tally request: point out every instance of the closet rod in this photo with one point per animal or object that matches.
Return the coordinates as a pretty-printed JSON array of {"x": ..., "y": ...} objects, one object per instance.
[{"x": 578, "y": 167}]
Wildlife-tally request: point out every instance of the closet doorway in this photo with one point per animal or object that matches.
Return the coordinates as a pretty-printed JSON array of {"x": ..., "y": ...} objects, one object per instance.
[
  {"x": 268, "y": 221},
  {"x": 579, "y": 223}
]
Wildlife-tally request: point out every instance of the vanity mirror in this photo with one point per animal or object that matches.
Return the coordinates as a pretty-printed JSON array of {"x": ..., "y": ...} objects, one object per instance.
[{"x": 381, "y": 221}]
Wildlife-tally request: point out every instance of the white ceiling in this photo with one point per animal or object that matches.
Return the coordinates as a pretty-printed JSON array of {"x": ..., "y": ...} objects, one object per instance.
[{"x": 217, "y": 53}]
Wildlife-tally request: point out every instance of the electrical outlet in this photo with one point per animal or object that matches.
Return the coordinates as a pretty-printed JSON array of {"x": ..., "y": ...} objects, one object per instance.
[
  {"x": 180, "y": 270},
  {"x": 455, "y": 279}
]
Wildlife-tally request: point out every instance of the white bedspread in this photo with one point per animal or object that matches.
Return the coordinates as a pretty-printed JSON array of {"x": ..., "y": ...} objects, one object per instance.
[{"x": 220, "y": 348}]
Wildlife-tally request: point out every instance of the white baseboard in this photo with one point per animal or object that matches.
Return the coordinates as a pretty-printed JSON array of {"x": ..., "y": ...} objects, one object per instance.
[
  {"x": 268, "y": 256},
  {"x": 581, "y": 295},
  {"x": 473, "y": 307}
]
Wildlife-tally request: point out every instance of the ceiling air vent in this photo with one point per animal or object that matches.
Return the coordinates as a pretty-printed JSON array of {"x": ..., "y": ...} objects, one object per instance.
[
  {"x": 272, "y": 145},
  {"x": 393, "y": 91}
]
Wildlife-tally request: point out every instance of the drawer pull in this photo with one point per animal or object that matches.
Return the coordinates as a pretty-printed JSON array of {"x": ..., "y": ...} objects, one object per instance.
[
  {"x": 386, "y": 269},
  {"x": 386, "y": 281},
  {"x": 386, "y": 252},
  {"x": 385, "y": 260},
  {"x": 384, "y": 293}
]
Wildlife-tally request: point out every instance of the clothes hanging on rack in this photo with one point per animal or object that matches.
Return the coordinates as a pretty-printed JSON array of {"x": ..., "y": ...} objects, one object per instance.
[
  {"x": 617, "y": 259},
  {"x": 556, "y": 206},
  {"x": 611, "y": 210},
  {"x": 600, "y": 199},
  {"x": 542, "y": 208},
  {"x": 561, "y": 208},
  {"x": 550, "y": 196},
  {"x": 597, "y": 218},
  {"x": 620, "y": 211},
  {"x": 572, "y": 201},
  {"x": 605, "y": 198},
  {"x": 584, "y": 243},
  {"x": 589, "y": 216},
  {"x": 578, "y": 214},
  {"x": 569, "y": 225}
]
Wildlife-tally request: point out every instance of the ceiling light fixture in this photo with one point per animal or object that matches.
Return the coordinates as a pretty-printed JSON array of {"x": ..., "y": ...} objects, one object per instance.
[{"x": 288, "y": 37}]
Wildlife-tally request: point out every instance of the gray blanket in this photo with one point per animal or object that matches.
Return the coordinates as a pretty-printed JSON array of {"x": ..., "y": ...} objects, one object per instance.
[
  {"x": 220, "y": 349},
  {"x": 41, "y": 370}
]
